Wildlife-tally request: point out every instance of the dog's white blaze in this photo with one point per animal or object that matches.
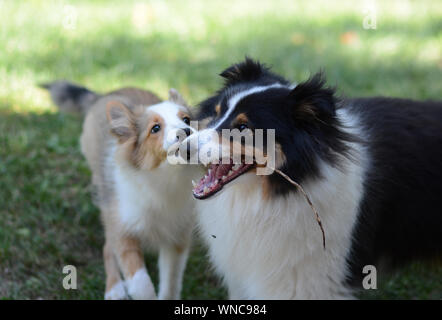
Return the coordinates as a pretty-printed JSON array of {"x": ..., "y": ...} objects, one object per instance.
[
  {"x": 169, "y": 112},
  {"x": 293, "y": 86},
  {"x": 207, "y": 139},
  {"x": 272, "y": 249},
  {"x": 233, "y": 101}
]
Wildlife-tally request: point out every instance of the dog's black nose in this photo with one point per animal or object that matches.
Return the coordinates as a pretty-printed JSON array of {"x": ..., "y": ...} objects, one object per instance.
[{"x": 187, "y": 131}]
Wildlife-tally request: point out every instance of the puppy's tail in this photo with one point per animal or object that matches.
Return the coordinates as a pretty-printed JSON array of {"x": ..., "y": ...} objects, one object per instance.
[{"x": 70, "y": 97}]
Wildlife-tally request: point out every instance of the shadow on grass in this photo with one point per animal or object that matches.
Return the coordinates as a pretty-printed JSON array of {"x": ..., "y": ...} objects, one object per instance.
[{"x": 49, "y": 221}]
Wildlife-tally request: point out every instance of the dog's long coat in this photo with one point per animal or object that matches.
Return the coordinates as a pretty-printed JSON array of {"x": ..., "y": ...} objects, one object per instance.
[
  {"x": 144, "y": 201},
  {"x": 372, "y": 167}
]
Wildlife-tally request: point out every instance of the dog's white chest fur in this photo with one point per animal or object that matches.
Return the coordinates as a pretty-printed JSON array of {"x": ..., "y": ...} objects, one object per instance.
[
  {"x": 157, "y": 206},
  {"x": 272, "y": 249}
]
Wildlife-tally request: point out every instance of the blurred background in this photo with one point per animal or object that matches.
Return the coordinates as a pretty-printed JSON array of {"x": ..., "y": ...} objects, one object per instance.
[{"x": 47, "y": 219}]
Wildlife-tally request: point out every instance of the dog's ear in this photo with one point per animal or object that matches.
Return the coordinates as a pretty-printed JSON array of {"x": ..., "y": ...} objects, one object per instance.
[
  {"x": 176, "y": 97},
  {"x": 248, "y": 70},
  {"x": 121, "y": 120},
  {"x": 312, "y": 100}
]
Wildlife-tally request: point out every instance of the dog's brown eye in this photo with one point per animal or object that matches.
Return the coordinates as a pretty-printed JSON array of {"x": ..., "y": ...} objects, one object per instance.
[
  {"x": 186, "y": 120},
  {"x": 242, "y": 126},
  {"x": 155, "y": 128}
]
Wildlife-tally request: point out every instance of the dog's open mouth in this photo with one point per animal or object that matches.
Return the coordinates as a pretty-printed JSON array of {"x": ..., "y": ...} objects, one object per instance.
[{"x": 217, "y": 176}]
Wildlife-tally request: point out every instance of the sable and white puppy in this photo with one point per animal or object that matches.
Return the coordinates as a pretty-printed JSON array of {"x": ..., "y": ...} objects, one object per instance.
[
  {"x": 372, "y": 168},
  {"x": 144, "y": 201}
]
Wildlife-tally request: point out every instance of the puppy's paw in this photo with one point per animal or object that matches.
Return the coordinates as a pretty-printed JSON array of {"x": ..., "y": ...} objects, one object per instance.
[
  {"x": 140, "y": 286},
  {"x": 117, "y": 292}
]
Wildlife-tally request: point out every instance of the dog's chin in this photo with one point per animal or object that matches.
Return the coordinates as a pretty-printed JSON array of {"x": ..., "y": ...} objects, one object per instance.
[{"x": 218, "y": 176}]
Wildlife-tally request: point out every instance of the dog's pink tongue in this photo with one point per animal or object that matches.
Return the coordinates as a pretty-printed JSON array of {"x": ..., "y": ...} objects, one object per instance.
[
  {"x": 222, "y": 170},
  {"x": 212, "y": 173}
]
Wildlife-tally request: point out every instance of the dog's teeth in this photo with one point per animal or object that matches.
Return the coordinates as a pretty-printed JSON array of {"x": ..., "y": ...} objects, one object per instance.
[
  {"x": 193, "y": 183},
  {"x": 206, "y": 190},
  {"x": 224, "y": 178},
  {"x": 229, "y": 173},
  {"x": 236, "y": 167}
]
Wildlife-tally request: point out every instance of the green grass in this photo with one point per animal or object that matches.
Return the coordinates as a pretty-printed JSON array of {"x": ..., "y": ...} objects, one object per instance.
[{"x": 47, "y": 219}]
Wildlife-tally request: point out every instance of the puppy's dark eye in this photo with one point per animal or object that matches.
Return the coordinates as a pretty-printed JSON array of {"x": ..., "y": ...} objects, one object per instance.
[
  {"x": 242, "y": 126},
  {"x": 186, "y": 120},
  {"x": 155, "y": 128}
]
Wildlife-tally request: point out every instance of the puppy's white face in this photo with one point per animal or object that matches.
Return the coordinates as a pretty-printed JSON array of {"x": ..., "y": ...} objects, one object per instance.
[
  {"x": 145, "y": 134},
  {"x": 174, "y": 119}
]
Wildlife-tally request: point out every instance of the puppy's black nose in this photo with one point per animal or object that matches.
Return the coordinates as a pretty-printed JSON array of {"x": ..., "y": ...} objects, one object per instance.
[
  {"x": 184, "y": 149},
  {"x": 183, "y": 134}
]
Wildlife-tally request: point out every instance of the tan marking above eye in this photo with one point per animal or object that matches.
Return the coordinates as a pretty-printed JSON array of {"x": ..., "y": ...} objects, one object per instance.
[
  {"x": 241, "y": 119},
  {"x": 218, "y": 109}
]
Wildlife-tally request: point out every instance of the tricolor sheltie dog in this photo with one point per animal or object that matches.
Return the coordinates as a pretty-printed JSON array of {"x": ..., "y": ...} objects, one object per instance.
[
  {"x": 372, "y": 168},
  {"x": 144, "y": 201}
]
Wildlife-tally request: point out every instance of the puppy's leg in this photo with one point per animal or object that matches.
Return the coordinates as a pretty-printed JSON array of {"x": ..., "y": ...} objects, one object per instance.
[
  {"x": 172, "y": 262},
  {"x": 131, "y": 261},
  {"x": 115, "y": 288}
]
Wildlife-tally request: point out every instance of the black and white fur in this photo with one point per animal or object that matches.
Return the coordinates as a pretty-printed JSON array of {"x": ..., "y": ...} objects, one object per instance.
[{"x": 372, "y": 167}]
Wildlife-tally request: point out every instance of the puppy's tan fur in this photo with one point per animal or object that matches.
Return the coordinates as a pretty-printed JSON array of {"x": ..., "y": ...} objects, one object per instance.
[{"x": 144, "y": 201}]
